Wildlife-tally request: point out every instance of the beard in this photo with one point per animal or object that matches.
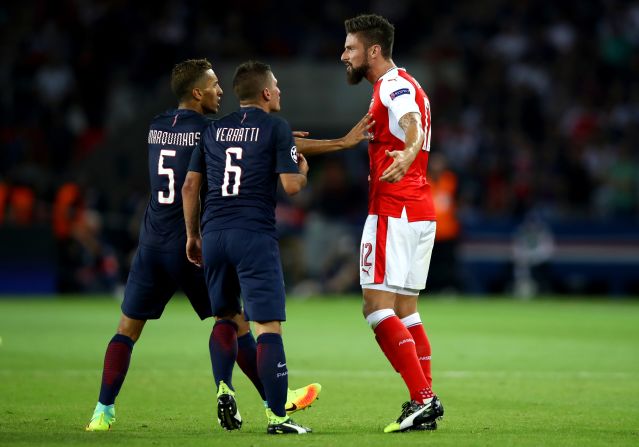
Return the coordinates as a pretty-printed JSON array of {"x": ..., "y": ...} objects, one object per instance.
[{"x": 355, "y": 75}]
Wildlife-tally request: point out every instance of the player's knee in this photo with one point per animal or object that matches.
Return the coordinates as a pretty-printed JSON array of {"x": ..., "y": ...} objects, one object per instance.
[
  {"x": 243, "y": 326},
  {"x": 130, "y": 327},
  {"x": 264, "y": 327},
  {"x": 373, "y": 306}
]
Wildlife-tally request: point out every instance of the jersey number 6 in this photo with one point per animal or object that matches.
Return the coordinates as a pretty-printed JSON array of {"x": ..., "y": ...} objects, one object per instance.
[{"x": 229, "y": 169}]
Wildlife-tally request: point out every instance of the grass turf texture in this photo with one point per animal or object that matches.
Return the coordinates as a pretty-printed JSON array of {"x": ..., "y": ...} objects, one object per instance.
[{"x": 532, "y": 373}]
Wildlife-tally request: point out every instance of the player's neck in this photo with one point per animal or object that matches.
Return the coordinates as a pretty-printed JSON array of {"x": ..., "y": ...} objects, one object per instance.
[
  {"x": 258, "y": 105},
  {"x": 380, "y": 70}
]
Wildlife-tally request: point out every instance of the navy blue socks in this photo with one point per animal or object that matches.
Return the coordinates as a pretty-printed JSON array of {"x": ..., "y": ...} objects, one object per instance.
[
  {"x": 116, "y": 365},
  {"x": 272, "y": 370},
  {"x": 223, "y": 349}
]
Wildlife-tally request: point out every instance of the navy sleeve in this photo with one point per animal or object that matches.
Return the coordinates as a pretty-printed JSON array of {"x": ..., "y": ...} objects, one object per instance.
[
  {"x": 286, "y": 151},
  {"x": 197, "y": 156}
]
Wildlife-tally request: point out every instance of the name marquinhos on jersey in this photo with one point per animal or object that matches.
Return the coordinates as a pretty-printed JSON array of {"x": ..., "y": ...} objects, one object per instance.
[
  {"x": 174, "y": 138},
  {"x": 234, "y": 134}
]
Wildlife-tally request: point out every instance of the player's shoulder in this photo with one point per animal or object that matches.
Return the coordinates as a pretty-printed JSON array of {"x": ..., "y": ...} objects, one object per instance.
[
  {"x": 225, "y": 120},
  {"x": 394, "y": 84},
  {"x": 277, "y": 121},
  {"x": 180, "y": 117}
]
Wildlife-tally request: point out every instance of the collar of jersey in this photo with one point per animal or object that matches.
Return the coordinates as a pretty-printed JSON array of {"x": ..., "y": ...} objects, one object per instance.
[
  {"x": 388, "y": 72},
  {"x": 246, "y": 109}
]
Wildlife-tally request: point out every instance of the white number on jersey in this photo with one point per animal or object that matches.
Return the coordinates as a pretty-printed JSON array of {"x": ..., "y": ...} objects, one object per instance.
[
  {"x": 162, "y": 197},
  {"x": 426, "y": 145},
  {"x": 235, "y": 170}
]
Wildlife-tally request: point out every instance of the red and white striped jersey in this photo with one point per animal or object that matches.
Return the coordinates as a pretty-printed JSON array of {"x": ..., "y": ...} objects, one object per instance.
[{"x": 395, "y": 94}]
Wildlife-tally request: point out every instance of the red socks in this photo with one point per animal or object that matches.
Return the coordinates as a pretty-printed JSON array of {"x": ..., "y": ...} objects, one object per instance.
[
  {"x": 399, "y": 347},
  {"x": 422, "y": 346}
]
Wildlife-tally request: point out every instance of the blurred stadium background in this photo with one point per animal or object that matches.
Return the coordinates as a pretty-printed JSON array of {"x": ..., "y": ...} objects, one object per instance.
[{"x": 534, "y": 149}]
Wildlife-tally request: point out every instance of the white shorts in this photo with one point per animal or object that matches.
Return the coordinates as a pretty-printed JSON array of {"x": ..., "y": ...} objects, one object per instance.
[{"x": 395, "y": 254}]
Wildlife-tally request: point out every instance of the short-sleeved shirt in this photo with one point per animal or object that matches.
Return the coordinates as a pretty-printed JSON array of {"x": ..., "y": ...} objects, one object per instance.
[
  {"x": 395, "y": 94},
  {"x": 173, "y": 135},
  {"x": 243, "y": 154}
]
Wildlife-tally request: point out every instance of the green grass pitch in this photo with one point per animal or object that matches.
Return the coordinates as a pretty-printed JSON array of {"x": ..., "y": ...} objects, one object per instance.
[{"x": 537, "y": 373}]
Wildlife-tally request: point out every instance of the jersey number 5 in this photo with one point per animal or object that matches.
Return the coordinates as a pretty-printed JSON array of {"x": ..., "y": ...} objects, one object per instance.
[
  {"x": 162, "y": 197},
  {"x": 228, "y": 188}
]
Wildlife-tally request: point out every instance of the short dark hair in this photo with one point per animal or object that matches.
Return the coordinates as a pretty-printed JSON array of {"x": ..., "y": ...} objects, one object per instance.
[
  {"x": 186, "y": 75},
  {"x": 375, "y": 30},
  {"x": 250, "y": 79}
]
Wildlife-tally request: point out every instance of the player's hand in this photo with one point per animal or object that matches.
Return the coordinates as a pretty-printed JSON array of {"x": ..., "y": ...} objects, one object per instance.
[
  {"x": 359, "y": 132},
  {"x": 194, "y": 250},
  {"x": 302, "y": 164},
  {"x": 399, "y": 167},
  {"x": 300, "y": 133}
]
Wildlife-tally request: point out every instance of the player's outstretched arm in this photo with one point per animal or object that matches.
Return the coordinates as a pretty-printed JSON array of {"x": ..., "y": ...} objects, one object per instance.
[
  {"x": 191, "y": 207},
  {"x": 358, "y": 133},
  {"x": 402, "y": 160},
  {"x": 294, "y": 183}
]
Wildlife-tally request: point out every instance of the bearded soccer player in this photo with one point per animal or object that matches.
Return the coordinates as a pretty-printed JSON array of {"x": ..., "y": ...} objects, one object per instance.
[
  {"x": 399, "y": 232},
  {"x": 160, "y": 265}
]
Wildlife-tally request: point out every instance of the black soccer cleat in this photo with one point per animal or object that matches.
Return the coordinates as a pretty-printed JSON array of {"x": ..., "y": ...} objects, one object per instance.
[
  {"x": 284, "y": 425},
  {"x": 414, "y": 414},
  {"x": 426, "y": 426},
  {"x": 228, "y": 415}
]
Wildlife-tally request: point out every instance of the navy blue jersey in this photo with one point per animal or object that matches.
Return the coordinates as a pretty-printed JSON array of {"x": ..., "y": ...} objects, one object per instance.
[
  {"x": 243, "y": 154},
  {"x": 173, "y": 135}
]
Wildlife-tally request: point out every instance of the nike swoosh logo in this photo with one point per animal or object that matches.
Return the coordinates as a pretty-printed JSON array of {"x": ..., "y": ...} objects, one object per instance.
[{"x": 281, "y": 365}]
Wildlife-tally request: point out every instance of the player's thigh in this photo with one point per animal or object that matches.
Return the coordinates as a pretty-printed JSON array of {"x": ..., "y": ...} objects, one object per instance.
[
  {"x": 419, "y": 263},
  {"x": 405, "y": 305},
  {"x": 401, "y": 245},
  {"x": 220, "y": 275},
  {"x": 372, "y": 262},
  {"x": 191, "y": 280},
  {"x": 387, "y": 247},
  {"x": 259, "y": 269},
  {"x": 149, "y": 286}
]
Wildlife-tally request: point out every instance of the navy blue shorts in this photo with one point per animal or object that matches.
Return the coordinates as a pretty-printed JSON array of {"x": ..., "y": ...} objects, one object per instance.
[
  {"x": 247, "y": 263},
  {"x": 154, "y": 278}
]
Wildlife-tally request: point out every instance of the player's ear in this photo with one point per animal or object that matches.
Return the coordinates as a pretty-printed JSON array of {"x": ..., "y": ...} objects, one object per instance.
[
  {"x": 266, "y": 94},
  {"x": 197, "y": 93}
]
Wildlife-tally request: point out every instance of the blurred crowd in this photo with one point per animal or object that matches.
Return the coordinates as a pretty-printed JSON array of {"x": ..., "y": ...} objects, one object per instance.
[{"x": 536, "y": 107}]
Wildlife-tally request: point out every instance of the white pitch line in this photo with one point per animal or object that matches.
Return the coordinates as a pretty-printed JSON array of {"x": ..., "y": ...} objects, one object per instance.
[{"x": 355, "y": 373}]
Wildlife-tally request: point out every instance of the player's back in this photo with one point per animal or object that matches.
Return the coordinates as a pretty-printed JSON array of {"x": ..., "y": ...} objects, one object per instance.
[
  {"x": 172, "y": 137},
  {"x": 244, "y": 152}
]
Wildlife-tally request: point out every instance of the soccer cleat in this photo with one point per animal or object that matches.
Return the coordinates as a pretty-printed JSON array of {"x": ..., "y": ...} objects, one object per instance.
[
  {"x": 284, "y": 425},
  {"x": 302, "y": 398},
  {"x": 228, "y": 415},
  {"x": 102, "y": 419},
  {"x": 426, "y": 426},
  {"x": 415, "y": 414}
]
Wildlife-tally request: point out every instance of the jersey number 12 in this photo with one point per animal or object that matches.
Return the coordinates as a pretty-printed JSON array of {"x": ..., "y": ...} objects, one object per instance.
[{"x": 228, "y": 188}]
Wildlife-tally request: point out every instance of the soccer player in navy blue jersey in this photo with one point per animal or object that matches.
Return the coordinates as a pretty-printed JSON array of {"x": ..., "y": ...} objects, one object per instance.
[
  {"x": 160, "y": 265},
  {"x": 242, "y": 156}
]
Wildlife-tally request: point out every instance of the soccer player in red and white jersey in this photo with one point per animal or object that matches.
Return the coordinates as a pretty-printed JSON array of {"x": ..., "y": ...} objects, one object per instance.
[{"x": 398, "y": 236}]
